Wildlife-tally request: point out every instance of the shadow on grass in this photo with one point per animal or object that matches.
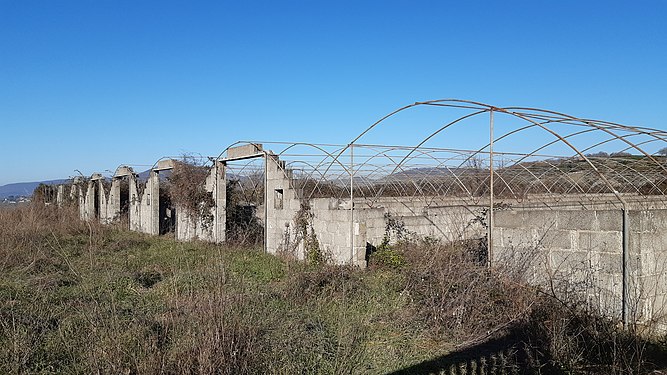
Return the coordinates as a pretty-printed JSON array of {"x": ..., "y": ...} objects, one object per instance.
[
  {"x": 512, "y": 354},
  {"x": 503, "y": 355}
]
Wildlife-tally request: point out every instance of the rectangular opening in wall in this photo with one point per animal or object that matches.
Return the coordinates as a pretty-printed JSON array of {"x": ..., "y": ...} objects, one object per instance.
[{"x": 278, "y": 199}]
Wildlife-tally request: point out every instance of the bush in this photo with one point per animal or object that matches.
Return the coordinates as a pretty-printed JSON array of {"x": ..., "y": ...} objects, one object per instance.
[{"x": 78, "y": 297}]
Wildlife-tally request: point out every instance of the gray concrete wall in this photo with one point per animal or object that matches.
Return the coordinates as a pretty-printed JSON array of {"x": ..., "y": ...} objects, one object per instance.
[
  {"x": 648, "y": 249},
  {"x": 446, "y": 221},
  {"x": 213, "y": 230},
  {"x": 79, "y": 191},
  {"x": 219, "y": 190},
  {"x": 88, "y": 206},
  {"x": 282, "y": 206},
  {"x": 60, "y": 195},
  {"x": 189, "y": 228},
  {"x": 580, "y": 251},
  {"x": 343, "y": 234},
  {"x": 145, "y": 206},
  {"x": 107, "y": 209}
]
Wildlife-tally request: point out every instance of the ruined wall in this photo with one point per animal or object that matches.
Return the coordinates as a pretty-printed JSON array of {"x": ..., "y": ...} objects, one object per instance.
[
  {"x": 145, "y": 205},
  {"x": 282, "y": 207},
  {"x": 582, "y": 249},
  {"x": 107, "y": 211},
  {"x": 219, "y": 190},
  {"x": 448, "y": 220},
  {"x": 78, "y": 193},
  {"x": 210, "y": 227},
  {"x": 342, "y": 234},
  {"x": 331, "y": 225},
  {"x": 87, "y": 206},
  {"x": 60, "y": 195},
  {"x": 648, "y": 262}
]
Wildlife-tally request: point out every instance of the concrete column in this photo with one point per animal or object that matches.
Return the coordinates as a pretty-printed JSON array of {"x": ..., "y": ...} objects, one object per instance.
[
  {"x": 220, "y": 197},
  {"x": 153, "y": 188},
  {"x": 77, "y": 192},
  {"x": 103, "y": 206},
  {"x": 113, "y": 204},
  {"x": 135, "y": 205},
  {"x": 60, "y": 195},
  {"x": 89, "y": 202},
  {"x": 282, "y": 205},
  {"x": 360, "y": 239}
]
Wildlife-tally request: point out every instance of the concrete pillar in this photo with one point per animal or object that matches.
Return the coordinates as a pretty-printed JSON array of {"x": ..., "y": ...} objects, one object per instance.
[
  {"x": 360, "y": 239},
  {"x": 89, "y": 202},
  {"x": 152, "y": 203},
  {"x": 135, "y": 205},
  {"x": 113, "y": 203},
  {"x": 103, "y": 206},
  {"x": 220, "y": 198},
  {"x": 81, "y": 199},
  {"x": 60, "y": 195},
  {"x": 282, "y": 205}
]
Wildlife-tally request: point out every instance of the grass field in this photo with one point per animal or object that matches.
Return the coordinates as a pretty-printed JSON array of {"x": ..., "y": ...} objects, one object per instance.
[{"x": 83, "y": 298}]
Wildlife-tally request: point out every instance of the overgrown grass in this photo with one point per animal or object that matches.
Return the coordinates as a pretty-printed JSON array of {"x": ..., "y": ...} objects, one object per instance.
[{"x": 82, "y": 298}]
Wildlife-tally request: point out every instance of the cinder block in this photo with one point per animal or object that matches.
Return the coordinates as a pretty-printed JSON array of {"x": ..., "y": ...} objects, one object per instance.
[
  {"x": 610, "y": 220},
  {"x": 646, "y": 221},
  {"x": 611, "y": 263},
  {"x": 566, "y": 261},
  {"x": 518, "y": 238},
  {"x": 560, "y": 239},
  {"x": 577, "y": 220},
  {"x": 509, "y": 219},
  {"x": 610, "y": 242}
]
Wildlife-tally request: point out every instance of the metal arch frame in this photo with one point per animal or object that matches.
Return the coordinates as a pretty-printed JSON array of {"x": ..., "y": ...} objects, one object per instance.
[
  {"x": 613, "y": 177},
  {"x": 536, "y": 118},
  {"x": 605, "y": 127}
]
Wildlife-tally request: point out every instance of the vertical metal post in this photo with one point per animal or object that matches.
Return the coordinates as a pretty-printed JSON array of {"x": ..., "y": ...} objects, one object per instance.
[
  {"x": 626, "y": 262},
  {"x": 490, "y": 224},
  {"x": 351, "y": 204}
]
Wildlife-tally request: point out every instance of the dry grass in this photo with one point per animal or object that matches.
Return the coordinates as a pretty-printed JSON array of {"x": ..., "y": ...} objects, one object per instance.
[{"x": 83, "y": 298}]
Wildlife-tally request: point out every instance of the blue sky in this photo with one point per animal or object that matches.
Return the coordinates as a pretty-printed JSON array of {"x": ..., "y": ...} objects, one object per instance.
[{"x": 90, "y": 85}]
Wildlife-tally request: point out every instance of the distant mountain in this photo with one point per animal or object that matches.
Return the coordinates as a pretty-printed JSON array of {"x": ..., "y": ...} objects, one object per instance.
[{"x": 24, "y": 188}]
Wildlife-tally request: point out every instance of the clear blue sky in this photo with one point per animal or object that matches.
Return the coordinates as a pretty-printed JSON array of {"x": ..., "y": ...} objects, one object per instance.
[{"x": 90, "y": 85}]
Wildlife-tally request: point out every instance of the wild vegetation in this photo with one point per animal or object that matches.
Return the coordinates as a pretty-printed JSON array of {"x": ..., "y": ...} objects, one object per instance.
[
  {"x": 77, "y": 297},
  {"x": 186, "y": 189}
]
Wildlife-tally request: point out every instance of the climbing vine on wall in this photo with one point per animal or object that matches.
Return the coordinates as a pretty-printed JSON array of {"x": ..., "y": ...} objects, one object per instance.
[
  {"x": 304, "y": 231},
  {"x": 188, "y": 190}
]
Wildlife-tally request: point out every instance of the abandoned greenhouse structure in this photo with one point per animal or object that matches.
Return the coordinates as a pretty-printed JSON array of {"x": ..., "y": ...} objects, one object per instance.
[{"x": 562, "y": 195}]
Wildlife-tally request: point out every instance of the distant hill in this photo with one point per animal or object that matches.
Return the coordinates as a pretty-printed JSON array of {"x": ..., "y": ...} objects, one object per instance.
[{"x": 24, "y": 188}]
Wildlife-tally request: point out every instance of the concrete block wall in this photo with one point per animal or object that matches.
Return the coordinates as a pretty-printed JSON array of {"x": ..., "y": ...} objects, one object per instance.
[
  {"x": 145, "y": 206},
  {"x": 648, "y": 249},
  {"x": 189, "y": 228},
  {"x": 219, "y": 190},
  {"x": 108, "y": 210},
  {"x": 342, "y": 234},
  {"x": 332, "y": 224},
  {"x": 282, "y": 206},
  {"x": 446, "y": 220},
  {"x": 582, "y": 249},
  {"x": 87, "y": 206},
  {"x": 80, "y": 196}
]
